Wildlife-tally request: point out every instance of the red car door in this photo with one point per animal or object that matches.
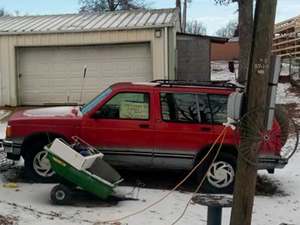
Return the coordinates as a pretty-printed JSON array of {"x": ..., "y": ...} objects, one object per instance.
[
  {"x": 183, "y": 128},
  {"x": 123, "y": 129}
]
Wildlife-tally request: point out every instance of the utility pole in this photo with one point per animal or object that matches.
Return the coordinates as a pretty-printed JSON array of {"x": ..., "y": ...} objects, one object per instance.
[
  {"x": 245, "y": 181},
  {"x": 245, "y": 37},
  {"x": 184, "y": 15},
  {"x": 178, "y": 6}
]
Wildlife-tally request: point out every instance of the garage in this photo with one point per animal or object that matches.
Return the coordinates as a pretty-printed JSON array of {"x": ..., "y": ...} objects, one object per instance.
[
  {"x": 42, "y": 58},
  {"x": 55, "y": 75}
]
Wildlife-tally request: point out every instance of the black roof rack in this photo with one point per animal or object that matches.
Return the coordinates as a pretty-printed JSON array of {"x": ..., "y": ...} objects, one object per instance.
[{"x": 221, "y": 84}]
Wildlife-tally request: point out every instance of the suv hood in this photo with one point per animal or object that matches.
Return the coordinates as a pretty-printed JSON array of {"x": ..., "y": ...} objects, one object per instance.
[
  {"x": 52, "y": 112},
  {"x": 47, "y": 113}
]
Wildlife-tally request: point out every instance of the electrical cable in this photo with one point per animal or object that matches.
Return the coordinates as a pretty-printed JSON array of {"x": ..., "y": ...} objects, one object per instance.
[
  {"x": 201, "y": 182},
  {"x": 112, "y": 221}
]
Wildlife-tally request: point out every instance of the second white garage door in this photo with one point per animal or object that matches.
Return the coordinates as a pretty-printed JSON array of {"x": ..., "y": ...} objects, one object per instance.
[{"x": 54, "y": 75}]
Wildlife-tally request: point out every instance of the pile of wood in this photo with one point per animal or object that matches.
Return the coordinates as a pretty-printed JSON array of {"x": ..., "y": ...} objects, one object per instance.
[{"x": 286, "y": 41}]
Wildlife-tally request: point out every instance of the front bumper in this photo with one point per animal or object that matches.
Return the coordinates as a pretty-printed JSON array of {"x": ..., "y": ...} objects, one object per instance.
[
  {"x": 12, "y": 148},
  {"x": 270, "y": 163}
]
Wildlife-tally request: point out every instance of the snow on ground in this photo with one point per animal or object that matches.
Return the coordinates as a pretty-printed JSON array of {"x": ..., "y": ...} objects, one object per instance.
[
  {"x": 29, "y": 203},
  {"x": 2, "y": 130},
  {"x": 220, "y": 71},
  {"x": 284, "y": 96}
]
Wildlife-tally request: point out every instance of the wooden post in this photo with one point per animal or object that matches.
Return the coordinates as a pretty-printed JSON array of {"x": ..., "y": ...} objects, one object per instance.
[{"x": 259, "y": 67}]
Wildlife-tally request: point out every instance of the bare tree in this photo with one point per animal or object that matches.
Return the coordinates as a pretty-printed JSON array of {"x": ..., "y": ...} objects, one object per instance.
[
  {"x": 195, "y": 27},
  {"x": 3, "y": 12},
  {"x": 245, "y": 34},
  {"x": 110, "y": 5},
  {"x": 229, "y": 30}
]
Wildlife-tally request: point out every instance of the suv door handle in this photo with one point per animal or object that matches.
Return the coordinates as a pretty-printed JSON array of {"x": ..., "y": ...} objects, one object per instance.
[
  {"x": 206, "y": 129},
  {"x": 144, "y": 126}
]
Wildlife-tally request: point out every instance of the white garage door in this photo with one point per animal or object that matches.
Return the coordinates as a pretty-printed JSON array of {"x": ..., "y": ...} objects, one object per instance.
[{"x": 54, "y": 75}]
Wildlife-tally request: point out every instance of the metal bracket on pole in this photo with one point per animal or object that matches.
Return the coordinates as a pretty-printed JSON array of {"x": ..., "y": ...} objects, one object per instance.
[{"x": 272, "y": 89}]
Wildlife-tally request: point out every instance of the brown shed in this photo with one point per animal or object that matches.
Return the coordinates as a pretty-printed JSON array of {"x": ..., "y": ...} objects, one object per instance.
[{"x": 226, "y": 51}]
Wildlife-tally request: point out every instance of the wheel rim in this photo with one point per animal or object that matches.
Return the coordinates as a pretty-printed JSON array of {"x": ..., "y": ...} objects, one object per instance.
[
  {"x": 221, "y": 174},
  {"x": 41, "y": 165},
  {"x": 60, "y": 195}
]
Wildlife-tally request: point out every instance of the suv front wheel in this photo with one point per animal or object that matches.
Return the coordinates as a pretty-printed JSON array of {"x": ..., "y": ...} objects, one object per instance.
[
  {"x": 37, "y": 165},
  {"x": 221, "y": 175}
]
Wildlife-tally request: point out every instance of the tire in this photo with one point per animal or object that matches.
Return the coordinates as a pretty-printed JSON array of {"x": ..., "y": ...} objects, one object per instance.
[
  {"x": 61, "y": 195},
  {"x": 282, "y": 118},
  {"x": 220, "y": 178},
  {"x": 37, "y": 165}
]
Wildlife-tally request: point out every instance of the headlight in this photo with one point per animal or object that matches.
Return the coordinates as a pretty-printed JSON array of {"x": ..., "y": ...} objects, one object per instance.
[{"x": 8, "y": 131}]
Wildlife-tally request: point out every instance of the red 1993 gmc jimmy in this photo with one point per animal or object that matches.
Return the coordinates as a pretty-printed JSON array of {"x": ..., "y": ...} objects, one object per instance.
[{"x": 155, "y": 125}]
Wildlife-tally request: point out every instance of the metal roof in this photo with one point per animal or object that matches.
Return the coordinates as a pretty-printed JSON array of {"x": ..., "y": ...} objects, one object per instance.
[
  {"x": 214, "y": 39},
  {"x": 118, "y": 20}
]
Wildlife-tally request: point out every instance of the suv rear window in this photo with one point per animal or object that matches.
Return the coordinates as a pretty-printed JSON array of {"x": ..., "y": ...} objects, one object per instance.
[{"x": 193, "y": 108}]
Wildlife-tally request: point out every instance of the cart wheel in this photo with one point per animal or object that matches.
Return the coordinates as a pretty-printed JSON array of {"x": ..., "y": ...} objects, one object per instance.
[{"x": 61, "y": 195}]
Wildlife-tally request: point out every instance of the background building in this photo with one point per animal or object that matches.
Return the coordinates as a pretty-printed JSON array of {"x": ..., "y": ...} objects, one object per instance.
[{"x": 42, "y": 58}]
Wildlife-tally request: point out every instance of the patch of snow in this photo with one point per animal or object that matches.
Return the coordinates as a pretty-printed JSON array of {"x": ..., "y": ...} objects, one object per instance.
[
  {"x": 51, "y": 111},
  {"x": 284, "y": 96},
  {"x": 3, "y": 124},
  {"x": 281, "y": 209},
  {"x": 220, "y": 71},
  {"x": 30, "y": 203},
  {"x": 2, "y": 130}
]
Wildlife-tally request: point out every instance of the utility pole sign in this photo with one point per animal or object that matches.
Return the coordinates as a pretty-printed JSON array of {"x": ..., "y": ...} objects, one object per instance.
[{"x": 257, "y": 92}]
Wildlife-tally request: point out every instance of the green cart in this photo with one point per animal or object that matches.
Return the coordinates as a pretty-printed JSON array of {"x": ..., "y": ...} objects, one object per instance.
[{"x": 80, "y": 169}]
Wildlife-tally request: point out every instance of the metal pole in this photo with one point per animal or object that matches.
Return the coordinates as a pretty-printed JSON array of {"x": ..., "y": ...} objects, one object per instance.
[{"x": 214, "y": 215}]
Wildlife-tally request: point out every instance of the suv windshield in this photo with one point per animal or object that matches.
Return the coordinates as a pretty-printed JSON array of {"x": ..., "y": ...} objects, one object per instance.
[{"x": 91, "y": 104}]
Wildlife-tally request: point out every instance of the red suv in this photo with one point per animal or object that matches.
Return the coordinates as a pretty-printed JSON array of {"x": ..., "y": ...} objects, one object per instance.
[{"x": 155, "y": 125}]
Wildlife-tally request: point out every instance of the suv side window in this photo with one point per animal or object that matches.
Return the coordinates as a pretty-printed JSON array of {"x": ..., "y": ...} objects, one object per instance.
[
  {"x": 218, "y": 104},
  {"x": 183, "y": 107},
  {"x": 204, "y": 109},
  {"x": 131, "y": 106}
]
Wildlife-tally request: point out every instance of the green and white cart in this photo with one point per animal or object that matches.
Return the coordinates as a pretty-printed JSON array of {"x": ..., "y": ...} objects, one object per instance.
[{"x": 87, "y": 172}]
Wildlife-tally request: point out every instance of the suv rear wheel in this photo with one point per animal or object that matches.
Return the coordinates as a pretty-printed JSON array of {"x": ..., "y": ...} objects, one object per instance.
[
  {"x": 37, "y": 165},
  {"x": 221, "y": 175}
]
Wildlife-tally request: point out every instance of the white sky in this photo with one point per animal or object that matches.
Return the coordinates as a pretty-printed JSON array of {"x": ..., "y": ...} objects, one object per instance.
[{"x": 206, "y": 11}]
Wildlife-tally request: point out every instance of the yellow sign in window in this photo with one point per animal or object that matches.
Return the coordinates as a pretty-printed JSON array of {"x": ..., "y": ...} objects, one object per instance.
[{"x": 134, "y": 110}]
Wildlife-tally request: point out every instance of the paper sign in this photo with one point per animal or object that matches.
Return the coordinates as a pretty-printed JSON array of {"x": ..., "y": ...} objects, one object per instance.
[{"x": 134, "y": 110}]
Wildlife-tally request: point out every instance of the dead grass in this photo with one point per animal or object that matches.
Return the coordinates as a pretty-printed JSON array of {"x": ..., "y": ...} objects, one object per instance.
[
  {"x": 265, "y": 186},
  {"x": 8, "y": 220}
]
